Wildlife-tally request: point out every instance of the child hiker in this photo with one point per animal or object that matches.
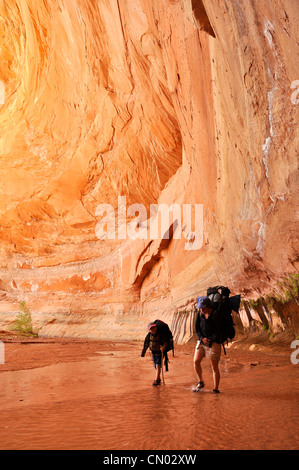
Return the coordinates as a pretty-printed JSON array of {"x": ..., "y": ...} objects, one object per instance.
[{"x": 158, "y": 342}]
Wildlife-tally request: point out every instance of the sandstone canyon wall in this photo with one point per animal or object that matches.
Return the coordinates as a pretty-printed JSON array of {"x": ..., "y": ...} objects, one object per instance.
[{"x": 159, "y": 101}]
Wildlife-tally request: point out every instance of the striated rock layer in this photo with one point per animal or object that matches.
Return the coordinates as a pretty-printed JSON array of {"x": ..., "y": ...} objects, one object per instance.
[{"x": 161, "y": 101}]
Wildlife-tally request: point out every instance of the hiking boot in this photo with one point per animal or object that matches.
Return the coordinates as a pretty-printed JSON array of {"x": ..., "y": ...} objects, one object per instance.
[{"x": 157, "y": 382}]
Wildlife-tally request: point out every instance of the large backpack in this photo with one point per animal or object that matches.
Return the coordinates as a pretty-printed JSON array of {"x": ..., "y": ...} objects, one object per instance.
[
  {"x": 223, "y": 305},
  {"x": 165, "y": 332}
]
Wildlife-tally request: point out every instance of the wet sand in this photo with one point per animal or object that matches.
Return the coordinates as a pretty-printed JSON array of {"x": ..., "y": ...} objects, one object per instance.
[{"x": 62, "y": 394}]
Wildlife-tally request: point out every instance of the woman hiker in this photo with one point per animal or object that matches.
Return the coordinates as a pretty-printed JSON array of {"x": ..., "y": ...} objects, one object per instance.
[{"x": 208, "y": 344}]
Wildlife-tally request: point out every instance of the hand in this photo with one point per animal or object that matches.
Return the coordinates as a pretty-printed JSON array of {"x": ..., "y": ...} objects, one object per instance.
[{"x": 206, "y": 341}]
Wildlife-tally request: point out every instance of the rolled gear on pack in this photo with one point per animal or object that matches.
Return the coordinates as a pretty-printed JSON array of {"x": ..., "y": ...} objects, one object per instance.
[{"x": 223, "y": 305}]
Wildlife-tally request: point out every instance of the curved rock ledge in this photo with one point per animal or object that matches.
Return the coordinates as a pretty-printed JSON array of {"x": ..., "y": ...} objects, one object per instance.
[{"x": 163, "y": 102}]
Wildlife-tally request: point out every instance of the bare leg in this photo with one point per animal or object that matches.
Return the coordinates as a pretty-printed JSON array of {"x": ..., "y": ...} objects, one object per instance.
[
  {"x": 158, "y": 372},
  {"x": 197, "y": 365},
  {"x": 216, "y": 374}
]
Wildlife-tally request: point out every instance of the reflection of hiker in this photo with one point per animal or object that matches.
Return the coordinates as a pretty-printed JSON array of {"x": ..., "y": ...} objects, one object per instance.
[
  {"x": 159, "y": 341},
  {"x": 208, "y": 344}
]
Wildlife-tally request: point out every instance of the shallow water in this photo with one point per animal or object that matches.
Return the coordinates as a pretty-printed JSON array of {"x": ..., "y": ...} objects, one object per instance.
[{"x": 108, "y": 402}]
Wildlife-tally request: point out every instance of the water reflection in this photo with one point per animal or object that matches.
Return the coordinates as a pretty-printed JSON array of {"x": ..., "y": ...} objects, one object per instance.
[{"x": 107, "y": 402}]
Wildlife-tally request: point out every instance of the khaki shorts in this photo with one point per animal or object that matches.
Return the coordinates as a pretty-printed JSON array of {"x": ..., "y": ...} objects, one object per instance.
[{"x": 214, "y": 353}]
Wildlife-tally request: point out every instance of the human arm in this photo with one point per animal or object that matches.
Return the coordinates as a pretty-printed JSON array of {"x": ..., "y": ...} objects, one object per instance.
[
  {"x": 145, "y": 345},
  {"x": 198, "y": 328}
]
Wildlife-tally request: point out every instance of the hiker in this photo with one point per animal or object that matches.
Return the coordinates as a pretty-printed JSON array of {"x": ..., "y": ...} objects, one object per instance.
[
  {"x": 159, "y": 342},
  {"x": 208, "y": 344}
]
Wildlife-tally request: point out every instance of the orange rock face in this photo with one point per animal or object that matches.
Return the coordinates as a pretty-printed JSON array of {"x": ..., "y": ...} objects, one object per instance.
[{"x": 187, "y": 102}]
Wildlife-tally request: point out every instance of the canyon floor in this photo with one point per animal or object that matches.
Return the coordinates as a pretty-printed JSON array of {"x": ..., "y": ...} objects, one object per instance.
[{"x": 75, "y": 394}]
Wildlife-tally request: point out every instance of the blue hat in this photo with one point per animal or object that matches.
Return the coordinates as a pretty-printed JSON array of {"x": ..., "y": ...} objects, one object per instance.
[{"x": 203, "y": 302}]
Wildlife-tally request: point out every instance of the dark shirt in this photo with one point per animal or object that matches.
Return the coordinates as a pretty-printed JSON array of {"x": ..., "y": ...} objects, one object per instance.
[{"x": 207, "y": 328}]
